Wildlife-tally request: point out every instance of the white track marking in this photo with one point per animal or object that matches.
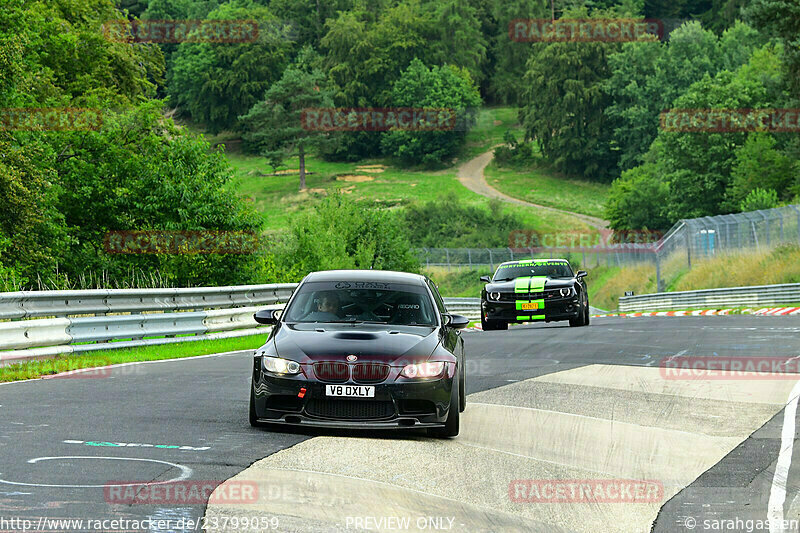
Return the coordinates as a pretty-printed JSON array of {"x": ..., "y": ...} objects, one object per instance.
[
  {"x": 186, "y": 473},
  {"x": 777, "y": 493}
]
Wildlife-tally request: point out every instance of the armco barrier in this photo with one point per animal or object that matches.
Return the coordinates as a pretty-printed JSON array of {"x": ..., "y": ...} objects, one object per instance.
[
  {"x": 140, "y": 317},
  {"x": 761, "y": 295}
]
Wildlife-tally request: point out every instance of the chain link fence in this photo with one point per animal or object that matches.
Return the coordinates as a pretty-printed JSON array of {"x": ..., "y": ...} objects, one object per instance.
[{"x": 687, "y": 241}]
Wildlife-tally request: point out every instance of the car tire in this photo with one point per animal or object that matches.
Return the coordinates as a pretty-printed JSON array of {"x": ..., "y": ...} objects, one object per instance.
[
  {"x": 451, "y": 426},
  {"x": 462, "y": 392},
  {"x": 252, "y": 417},
  {"x": 486, "y": 325},
  {"x": 500, "y": 324},
  {"x": 583, "y": 318}
]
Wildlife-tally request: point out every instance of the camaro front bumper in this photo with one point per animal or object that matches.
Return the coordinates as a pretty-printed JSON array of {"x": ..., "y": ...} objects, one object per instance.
[
  {"x": 396, "y": 405},
  {"x": 554, "y": 309}
]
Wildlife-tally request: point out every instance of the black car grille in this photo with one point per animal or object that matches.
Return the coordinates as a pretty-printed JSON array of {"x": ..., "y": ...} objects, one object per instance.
[
  {"x": 332, "y": 371},
  {"x": 370, "y": 372},
  {"x": 349, "y": 409},
  {"x": 514, "y": 296}
]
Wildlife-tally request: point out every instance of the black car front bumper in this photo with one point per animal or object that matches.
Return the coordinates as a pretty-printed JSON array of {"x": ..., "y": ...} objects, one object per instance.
[
  {"x": 554, "y": 309},
  {"x": 396, "y": 405}
]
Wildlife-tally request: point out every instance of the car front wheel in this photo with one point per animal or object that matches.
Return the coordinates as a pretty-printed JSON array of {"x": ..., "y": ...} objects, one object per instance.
[{"x": 451, "y": 427}]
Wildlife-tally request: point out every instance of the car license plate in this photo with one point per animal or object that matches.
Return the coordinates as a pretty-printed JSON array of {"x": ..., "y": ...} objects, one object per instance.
[
  {"x": 530, "y": 305},
  {"x": 350, "y": 391}
]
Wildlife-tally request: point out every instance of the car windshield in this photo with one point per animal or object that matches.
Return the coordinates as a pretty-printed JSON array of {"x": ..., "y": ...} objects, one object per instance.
[
  {"x": 362, "y": 302},
  {"x": 554, "y": 269}
]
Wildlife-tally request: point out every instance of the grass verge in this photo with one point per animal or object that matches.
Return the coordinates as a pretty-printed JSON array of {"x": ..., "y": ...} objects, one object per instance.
[{"x": 65, "y": 363}]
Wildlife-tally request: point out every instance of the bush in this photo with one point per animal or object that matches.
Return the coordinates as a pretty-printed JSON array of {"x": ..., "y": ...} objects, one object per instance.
[
  {"x": 446, "y": 223},
  {"x": 340, "y": 233},
  {"x": 760, "y": 199},
  {"x": 513, "y": 153}
]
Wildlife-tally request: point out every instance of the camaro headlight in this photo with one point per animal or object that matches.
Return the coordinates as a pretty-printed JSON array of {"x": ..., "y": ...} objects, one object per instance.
[
  {"x": 567, "y": 291},
  {"x": 277, "y": 365},
  {"x": 494, "y": 296},
  {"x": 423, "y": 370}
]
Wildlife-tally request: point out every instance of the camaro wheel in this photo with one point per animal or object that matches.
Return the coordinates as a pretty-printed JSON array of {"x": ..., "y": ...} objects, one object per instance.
[
  {"x": 583, "y": 318},
  {"x": 450, "y": 428}
]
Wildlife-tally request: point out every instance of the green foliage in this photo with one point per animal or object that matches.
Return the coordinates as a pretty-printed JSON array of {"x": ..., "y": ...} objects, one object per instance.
[
  {"x": 514, "y": 153},
  {"x": 445, "y": 87},
  {"x": 781, "y": 19},
  {"x": 646, "y": 78},
  {"x": 448, "y": 223},
  {"x": 215, "y": 83},
  {"x": 510, "y": 57},
  {"x": 759, "y": 165},
  {"x": 273, "y": 127},
  {"x": 759, "y": 199},
  {"x": 563, "y": 103},
  {"x": 698, "y": 165},
  {"x": 342, "y": 234},
  {"x": 638, "y": 200}
]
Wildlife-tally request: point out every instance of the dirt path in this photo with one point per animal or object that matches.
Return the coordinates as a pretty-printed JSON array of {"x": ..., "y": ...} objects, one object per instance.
[{"x": 470, "y": 174}]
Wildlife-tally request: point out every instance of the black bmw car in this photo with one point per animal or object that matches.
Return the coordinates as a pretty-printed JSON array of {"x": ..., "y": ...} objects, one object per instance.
[
  {"x": 361, "y": 349},
  {"x": 534, "y": 290}
]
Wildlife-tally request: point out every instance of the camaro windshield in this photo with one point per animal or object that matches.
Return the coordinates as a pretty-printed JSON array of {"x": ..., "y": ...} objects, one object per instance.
[
  {"x": 552, "y": 270},
  {"x": 360, "y": 301}
]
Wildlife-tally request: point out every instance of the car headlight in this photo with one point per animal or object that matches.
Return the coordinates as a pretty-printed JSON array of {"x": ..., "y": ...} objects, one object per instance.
[
  {"x": 494, "y": 296},
  {"x": 567, "y": 291},
  {"x": 423, "y": 370},
  {"x": 276, "y": 365}
]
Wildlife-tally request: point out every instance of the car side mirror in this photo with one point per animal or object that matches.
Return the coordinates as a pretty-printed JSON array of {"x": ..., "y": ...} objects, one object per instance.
[
  {"x": 455, "y": 321},
  {"x": 267, "y": 316},
  {"x": 581, "y": 274},
  {"x": 485, "y": 279}
]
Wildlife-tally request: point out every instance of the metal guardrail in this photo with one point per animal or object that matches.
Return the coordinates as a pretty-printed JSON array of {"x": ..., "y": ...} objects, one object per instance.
[
  {"x": 761, "y": 295},
  {"x": 82, "y": 321}
]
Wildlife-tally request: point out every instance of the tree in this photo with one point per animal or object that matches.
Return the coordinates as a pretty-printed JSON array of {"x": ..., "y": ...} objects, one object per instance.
[
  {"x": 781, "y": 18},
  {"x": 274, "y": 128},
  {"x": 563, "y": 103},
  {"x": 460, "y": 42},
  {"x": 646, "y": 77},
  {"x": 638, "y": 200},
  {"x": 759, "y": 165},
  {"x": 510, "y": 56},
  {"x": 446, "y": 87},
  {"x": 705, "y": 160},
  {"x": 215, "y": 83}
]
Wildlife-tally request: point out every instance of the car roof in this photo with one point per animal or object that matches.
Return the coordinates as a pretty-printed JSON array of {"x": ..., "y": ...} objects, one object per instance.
[{"x": 386, "y": 276}]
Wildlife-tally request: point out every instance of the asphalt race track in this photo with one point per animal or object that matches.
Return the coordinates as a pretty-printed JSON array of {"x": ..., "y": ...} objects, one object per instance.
[{"x": 548, "y": 405}]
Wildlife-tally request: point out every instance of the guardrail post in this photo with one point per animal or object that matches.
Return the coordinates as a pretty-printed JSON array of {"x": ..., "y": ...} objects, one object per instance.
[
  {"x": 659, "y": 281},
  {"x": 796, "y": 210}
]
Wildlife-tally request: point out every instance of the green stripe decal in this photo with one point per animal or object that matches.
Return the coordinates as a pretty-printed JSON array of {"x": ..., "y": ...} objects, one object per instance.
[
  {"x": 529, "y": 318},
  {"x": 522, "y": 284},
  {"x": 537, "y": 283}
]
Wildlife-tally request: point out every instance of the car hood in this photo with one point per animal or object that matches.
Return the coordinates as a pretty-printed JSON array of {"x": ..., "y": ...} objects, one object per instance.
[
  {"x": 530, "y": 284},
  {"x": 396, "y": 345}
]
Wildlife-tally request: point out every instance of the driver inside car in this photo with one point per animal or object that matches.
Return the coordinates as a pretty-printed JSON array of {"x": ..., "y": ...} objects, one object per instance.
[{"x": 327, "y": 308}]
